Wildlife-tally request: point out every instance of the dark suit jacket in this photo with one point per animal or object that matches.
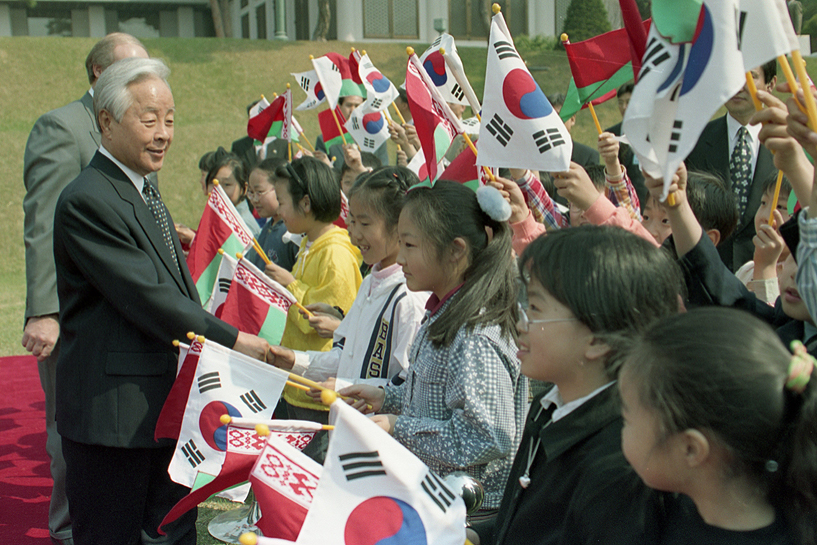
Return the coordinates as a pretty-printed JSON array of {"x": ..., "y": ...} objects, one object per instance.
[
  {"x": 122, "y": 303},
  {"x": 582, "y": 490},
  {"x": 62, "y": 143},
  {"x": 711, "y": 154},
  {"x": 584, "y": 155}
]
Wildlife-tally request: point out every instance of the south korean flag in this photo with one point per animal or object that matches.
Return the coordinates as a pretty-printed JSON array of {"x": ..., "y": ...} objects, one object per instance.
[
  {"x": 680, "y": 88},
  {"x": 226, "y": 383},
  {"x": 311, "y": 85},
  {"x": 520, "y": 128},
  {"x": 369, "y": 130},
  {"x": 440, "y": 73}
]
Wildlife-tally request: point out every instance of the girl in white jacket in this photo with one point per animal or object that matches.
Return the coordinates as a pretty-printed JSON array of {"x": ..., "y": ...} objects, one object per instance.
[{"x": 371, "y": 344}]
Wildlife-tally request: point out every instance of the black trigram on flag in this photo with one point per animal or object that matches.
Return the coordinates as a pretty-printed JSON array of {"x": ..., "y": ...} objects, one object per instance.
[
  {"x": 305, "y": 83},
  {"x": 252, "y": 401},
  {"x": 355, "y": 124},
  {"x": 438, "y": 491},
  {"x": 357, "y": 465},
  {"x": 192, "y": 453},
  {"x": 368, "y": 143},
  {"x": 656, "y": 54},
  {"x": 548, "y": 139},
  {"x": 209, "y": 381},
  {"x": 675, "y": 135},
  {"x": 436, "y": 42},
  {"x": 501, "y": 130},
  {"x": 335, "y": 68},
  {"x": 224, "y": 284},
  {"x": 740, "y": 26},
  {"x": 376, "y": 103},
  {"x": 505, "y": 49},
  {"x": 367, "y": 65},
  {"x": 457, "y": 91}
]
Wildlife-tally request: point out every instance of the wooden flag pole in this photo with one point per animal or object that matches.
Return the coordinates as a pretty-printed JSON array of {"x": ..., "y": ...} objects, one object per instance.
[
  {"x": 400, "y": 115},
  {"x": 334, "y": 115},
  {"x": 790, "y": 79},
  {"x": 464, "y": 85},
  {"x": 800, "y": 70},
  {"x": 316, "y": 386},
  {"x": 474, "y": 149}
]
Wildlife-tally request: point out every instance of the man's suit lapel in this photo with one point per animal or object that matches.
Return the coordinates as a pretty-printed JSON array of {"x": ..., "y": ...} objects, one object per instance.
[
  {"x": 127, "y": 191},
  {"x": 763, "y": 169},
  {"x": 88, "y": 101}
]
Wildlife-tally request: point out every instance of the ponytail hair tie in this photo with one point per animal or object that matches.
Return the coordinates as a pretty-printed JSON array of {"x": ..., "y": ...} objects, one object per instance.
[
  {"x": 800, "y": 368},
  {"x": 493, "y": 203}
]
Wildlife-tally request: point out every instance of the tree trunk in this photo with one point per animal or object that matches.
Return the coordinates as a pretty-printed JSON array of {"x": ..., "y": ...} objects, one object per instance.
[
  {"x": 227, "y": 19},
  {"x": 218, "y": 24},
  {"x": 324, "y": 20}
]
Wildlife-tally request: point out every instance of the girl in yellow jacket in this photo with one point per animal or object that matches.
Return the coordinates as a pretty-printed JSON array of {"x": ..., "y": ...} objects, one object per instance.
[{"x": 327, "y": 269}]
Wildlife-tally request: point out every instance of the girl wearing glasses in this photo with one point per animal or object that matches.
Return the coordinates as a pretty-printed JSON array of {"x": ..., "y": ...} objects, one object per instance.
[{"x": 588, "y": 291}]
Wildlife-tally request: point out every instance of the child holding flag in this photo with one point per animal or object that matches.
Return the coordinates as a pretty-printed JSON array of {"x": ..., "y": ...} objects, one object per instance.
[
  {"x": 588, "y": 290},
  {"x": 327, "y": 269},
  {"x": 371, "y": 345},
  {"x": 462, "y": 404}
]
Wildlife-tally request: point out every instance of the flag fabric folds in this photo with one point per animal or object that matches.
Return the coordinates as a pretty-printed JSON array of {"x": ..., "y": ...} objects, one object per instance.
[
  {"x": 436, "y": 124},
  {"x": 520, "y": 128},
  {"x": 309, "y": 82},
  {"x": 464, "y": 169},
  {"x": 284, "y": 481},
  {"x": 636, "y": 33},
  {"x": 244, "y": 445},
  {"x": 380, "y": 91},
  {"x": 220, "y": 226},
  {"x": 225, "y": 382},
  {"x": 224, "y": 279},
  {"x": 335, "y": 74},
  {"x": 256, "y": 303},
  {"x": 272, "y": 120},
  {"x": 439, "y": 73},
  {"x": 599, "y": 66},
  {"x": 680, "y": 87},
  {"x": 170, "y": 419},
  {"x": 372, "y": 488},
  {"x": 765, "y": 32},
  {"x": 370, "y": 130}
]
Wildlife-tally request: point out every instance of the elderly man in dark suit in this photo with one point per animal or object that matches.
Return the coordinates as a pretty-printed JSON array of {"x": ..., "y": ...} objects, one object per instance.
[
  {"x": 125, "y": 293},
  {"x": 60, "y": 145},
  {"x": 729, "y": 147}
]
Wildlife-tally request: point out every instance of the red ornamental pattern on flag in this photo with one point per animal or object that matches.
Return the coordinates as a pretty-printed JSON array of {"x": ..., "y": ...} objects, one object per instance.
[
  {"x": 436, "y": 124},
  {"x": 344, "y": 212},
  {"x": 440, "y": 73},
  {"x": 243, "y": 448},
  {"x": 680, "y": 88},
  {"x": 520, "y": 128},
  {"x": 286, "y": 129},
  {"x": 284, "y": 482},
  {"x": 225, "y": 383},
  {"x": 227, "y": 212}
]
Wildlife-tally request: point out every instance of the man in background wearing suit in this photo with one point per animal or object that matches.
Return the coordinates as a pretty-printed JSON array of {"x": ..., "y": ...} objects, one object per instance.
[
  {"x": 729, "y": 148},
  {"x": 60, "y": 145},
  {"x": 125, "y": 294}
]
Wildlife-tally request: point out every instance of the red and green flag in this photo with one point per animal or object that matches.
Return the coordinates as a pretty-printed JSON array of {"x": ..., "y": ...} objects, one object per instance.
[
  {"x": 272, "y": 120},
  {"x": 329, "y": 128},
  {"x": 600, "y": 66},
  {"x": 464, "y": 169},
  {"x": 220, "y": 227},
  {"x": 257, "y": 304}
]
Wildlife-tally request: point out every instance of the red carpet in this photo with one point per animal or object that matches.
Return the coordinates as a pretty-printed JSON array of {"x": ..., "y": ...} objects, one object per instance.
[{"x": 25, "y": 480}]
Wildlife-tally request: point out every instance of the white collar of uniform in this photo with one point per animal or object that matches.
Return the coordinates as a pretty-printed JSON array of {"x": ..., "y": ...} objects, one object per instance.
[
  {"x": 133, "y": 176},
  {"x": 563, "y": 409},
  {"x": 91, "y": 92}
]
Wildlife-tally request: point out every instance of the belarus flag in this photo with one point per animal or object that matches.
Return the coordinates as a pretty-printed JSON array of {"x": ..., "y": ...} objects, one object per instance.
[
  {"x": 256, "y": 303},
  {"x": 243, "y": 447},
  {"x": 220, "y": 227},
  {"x": 272, "y": 119},
  {"x": 329, "y": 128},
  {"x": 436, "y": 124},
  {"x": 464, "y": 170},
  {"x": 600, "y": 66}
]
